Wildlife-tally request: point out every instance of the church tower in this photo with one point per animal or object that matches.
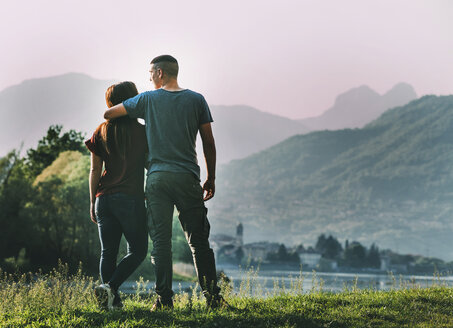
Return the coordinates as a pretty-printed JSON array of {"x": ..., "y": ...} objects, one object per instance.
[{"x": 239, "y": 234}]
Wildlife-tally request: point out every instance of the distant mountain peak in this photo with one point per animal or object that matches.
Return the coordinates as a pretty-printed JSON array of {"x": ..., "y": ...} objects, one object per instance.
[
  {"x": 70, "y": 77},
  {"x": 359, "y": 106},
  {"x": 361, "y": 93},
  {"x": 402, "y": 87}
]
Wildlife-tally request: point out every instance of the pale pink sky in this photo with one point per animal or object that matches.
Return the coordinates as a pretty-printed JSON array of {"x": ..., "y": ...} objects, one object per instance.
[{"x": 288, "y": 57}]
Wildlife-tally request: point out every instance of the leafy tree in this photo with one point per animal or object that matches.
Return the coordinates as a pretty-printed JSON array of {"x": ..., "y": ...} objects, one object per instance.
[
  {"x": 373, "y": 257},
  {"x": 355, "y": 255},
  {"x": 319, "y": 247},
  {"x": 58, "y": 212},
  {"x": 15, "y": 188},
  {"x": 329, "y": 247},
  {"x": 51, "y": 145},
  {"x": 282, "y": 255}
]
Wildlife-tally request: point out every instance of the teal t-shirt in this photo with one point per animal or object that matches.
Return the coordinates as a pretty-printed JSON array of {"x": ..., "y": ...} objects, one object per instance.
[{"x": 172, "y": 120}]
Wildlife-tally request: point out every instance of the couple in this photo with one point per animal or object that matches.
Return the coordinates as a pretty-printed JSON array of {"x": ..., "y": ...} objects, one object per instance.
[{"x": 173, "y": 116}]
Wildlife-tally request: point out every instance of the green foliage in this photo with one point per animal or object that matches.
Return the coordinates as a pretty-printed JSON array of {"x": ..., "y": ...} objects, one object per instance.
[
  {"x": 329, "y": 247},
  {"x": 15, "y": 188},
  {"x": 45, "y": 216},
  {"x": 373, "y": 257},
  {"x": 355, "y": 256},
  {"x": 58, "y": 213},
  {"x": 282, "y": 255},
  {"x": 51, "y": 145}
]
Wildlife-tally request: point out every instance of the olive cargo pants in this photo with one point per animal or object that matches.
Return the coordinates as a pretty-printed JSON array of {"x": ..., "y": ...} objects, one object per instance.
[{"x": 164, "y": 190}]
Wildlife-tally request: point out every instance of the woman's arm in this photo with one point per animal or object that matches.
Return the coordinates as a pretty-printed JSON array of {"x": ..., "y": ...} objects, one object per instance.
[{"x": 95, "y": 176}]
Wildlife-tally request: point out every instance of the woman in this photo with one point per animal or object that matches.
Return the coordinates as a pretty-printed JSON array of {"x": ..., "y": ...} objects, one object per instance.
[{"x": 117, "y": 197}]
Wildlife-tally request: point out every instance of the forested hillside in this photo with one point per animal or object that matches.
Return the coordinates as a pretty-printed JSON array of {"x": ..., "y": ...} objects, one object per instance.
[{"x": 390, "y": 183}]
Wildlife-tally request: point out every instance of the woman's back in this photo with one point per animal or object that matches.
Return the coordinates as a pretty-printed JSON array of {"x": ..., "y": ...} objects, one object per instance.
[{"x": 124, "y": 168}]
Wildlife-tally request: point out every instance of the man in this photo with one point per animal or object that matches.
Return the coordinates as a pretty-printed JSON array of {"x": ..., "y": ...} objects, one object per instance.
[{"x": 173, "y": 117}]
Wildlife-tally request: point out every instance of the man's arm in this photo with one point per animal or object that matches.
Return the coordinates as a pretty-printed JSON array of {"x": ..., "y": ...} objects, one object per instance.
[
  {"x": 115, "y": 111},
  {"x": 210, "y": 156},
  {"x": 95, "y": 176}
]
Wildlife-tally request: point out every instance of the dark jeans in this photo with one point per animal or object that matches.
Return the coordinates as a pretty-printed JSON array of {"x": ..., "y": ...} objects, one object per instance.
[
  {"x": 119, "y": 214},
  {"x": 164, "y": 191}
]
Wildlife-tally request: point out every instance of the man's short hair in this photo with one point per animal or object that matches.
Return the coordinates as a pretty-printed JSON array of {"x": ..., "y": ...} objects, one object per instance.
[{"x": 168, "y": 64}]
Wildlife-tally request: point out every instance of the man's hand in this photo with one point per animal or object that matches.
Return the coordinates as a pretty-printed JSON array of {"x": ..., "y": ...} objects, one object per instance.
[
  {"x": 209, "y": 187},
  {"x": 210, "y": 156},
  {"x": 92, "y": 213}
]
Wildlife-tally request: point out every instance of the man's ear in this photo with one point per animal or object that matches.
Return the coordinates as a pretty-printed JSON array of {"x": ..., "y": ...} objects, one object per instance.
[{"x": 161, "y": 73}]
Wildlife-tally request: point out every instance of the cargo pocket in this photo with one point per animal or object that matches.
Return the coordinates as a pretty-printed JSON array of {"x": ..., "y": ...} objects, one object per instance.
[
  {"x": 206, "y": 225},
  {"x": 149, "y": 220}
]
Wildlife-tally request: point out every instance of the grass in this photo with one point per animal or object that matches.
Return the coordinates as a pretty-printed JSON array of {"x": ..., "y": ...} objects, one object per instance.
[{"x": 60, "y": 299}]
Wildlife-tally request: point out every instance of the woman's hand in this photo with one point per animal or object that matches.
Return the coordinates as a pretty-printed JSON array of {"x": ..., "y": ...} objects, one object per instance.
[{"x": 92, "y": 213}]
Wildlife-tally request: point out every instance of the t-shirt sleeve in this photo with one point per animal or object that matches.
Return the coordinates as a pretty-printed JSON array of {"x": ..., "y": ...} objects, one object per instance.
[
  {"x": 135, "y": 107},
  {"x": 205, "y": 113},
  {"x": 93, "y": 144}
]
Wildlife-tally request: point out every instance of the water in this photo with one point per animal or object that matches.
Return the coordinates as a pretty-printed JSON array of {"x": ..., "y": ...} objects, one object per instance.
[
  {"x": 264, "y": 281},
  {"x": 329, "y": 282},
  {"x": 130, "y": 286}
]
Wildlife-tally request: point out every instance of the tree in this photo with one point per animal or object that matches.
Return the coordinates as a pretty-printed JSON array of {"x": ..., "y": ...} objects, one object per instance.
[
  {"x": 51, "y": 145},
  {"x": 355, "y": 255},
  {"x": 15, "y": 188},
  {"x": 320, "y": 243},
  {"x": 329, "y": 247},
  {"x": 373, "y": 257},
  {"x": 282, "y": 255},
  {"x": 58, "y": 213}
]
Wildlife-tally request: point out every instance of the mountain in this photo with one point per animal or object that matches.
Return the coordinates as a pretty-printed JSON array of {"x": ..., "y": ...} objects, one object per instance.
[
  {"x": 77, "y": 102},
  {"x": 359, "y": 106},
  {"x": 240, "y": 131},
  {"x": 390, "y": 182},
  {"x": 74, "y": 100}
]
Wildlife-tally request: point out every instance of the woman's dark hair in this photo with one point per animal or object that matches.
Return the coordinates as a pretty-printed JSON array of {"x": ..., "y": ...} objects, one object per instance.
[{"x": 115, "y": 134}]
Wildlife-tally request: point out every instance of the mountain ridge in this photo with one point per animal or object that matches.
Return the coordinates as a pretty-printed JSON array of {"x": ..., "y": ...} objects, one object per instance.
[{"x": 360, "y": 106}]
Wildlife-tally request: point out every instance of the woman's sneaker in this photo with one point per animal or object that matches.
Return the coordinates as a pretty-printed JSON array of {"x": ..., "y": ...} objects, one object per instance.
[{"x": 104, "y": 295}]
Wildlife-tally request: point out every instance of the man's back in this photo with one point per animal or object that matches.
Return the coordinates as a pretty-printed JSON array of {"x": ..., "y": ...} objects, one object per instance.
[{"x": 172, "y": 121}]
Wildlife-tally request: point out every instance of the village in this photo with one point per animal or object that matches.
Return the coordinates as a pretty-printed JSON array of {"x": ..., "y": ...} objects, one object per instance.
[{"x": 328, "y": 255}]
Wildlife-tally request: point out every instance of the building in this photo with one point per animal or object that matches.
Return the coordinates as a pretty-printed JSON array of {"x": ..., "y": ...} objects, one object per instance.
[
  {"x": 309, "y": 258},
  {"x": 258, "y": 251},
  {"x": 227, "y": 245}
]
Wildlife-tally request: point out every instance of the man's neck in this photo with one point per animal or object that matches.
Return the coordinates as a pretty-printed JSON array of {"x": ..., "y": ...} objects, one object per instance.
[{"x": 171, "y": 85}]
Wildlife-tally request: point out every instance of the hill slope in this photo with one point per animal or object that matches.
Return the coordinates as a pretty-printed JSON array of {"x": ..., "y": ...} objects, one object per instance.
[{"x": 390, "y": 183}]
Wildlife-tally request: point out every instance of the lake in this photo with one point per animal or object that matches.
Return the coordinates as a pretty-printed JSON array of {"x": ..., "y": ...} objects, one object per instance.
[{"x": 267, "y": 282}]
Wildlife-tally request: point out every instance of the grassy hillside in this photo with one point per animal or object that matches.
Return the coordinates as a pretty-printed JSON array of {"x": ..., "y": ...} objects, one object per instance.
[{"x": 390, "y": 183}]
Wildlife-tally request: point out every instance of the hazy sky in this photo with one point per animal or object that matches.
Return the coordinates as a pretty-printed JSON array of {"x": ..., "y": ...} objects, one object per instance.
[{"x": 288, "y": 57}]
